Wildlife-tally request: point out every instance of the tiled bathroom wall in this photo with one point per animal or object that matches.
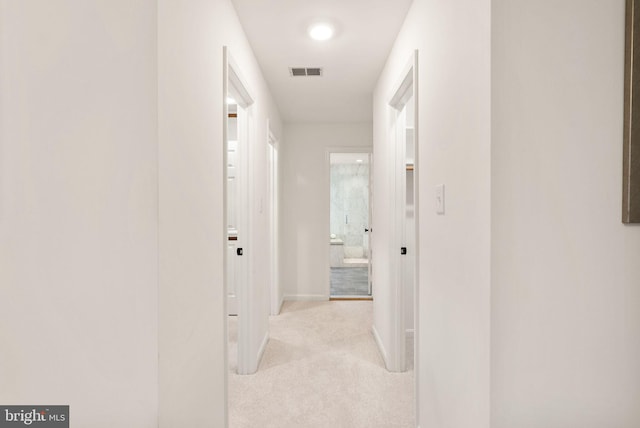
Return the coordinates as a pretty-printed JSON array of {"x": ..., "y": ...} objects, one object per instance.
[{"x": 350, "y": 207}]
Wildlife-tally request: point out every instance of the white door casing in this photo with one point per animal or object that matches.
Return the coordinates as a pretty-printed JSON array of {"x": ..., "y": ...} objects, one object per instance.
[
  {"x": 369, "y": 232},
  {"x": 276, "y": 297}
]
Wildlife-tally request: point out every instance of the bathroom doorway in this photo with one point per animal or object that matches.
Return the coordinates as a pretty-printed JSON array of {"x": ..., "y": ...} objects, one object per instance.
[{"x": 350, "y": 225}]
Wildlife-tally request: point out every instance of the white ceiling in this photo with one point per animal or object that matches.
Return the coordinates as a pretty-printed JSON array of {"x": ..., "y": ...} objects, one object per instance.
[{"x": 352, "y": 60}]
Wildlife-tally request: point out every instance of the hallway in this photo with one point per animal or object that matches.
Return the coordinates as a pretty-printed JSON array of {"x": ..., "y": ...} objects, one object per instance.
[
  {"x": 114, "y": 238},
  {"x": 321, "y": 369}
]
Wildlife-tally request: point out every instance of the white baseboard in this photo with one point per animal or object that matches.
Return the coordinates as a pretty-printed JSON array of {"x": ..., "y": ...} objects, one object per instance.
[
  {"x": 306, "y": 297},
  {"x": 381, "y": 348}
]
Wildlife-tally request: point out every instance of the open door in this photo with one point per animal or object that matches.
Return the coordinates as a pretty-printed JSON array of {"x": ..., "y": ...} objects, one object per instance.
[
  {"x": 404, "y": 268},
  {"x": 274, "y": 246},
  {"x": 236, "y": 200},
  {"x": 369, "y": 229},
  {"x": 237, "y": 133}
]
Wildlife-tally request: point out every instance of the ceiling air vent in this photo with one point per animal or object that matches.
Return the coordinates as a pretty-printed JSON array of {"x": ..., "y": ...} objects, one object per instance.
[{"x": 305, "y": 71}]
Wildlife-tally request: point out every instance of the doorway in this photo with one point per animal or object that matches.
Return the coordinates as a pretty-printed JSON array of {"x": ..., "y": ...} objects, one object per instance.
[
  {"x": 403, "y": 109},
  {"x": 238, "y": 131},
  {"x": 350, "y": 225},
  {"x": 236, "y": 153},
  {"x": 276, "y": 299}
]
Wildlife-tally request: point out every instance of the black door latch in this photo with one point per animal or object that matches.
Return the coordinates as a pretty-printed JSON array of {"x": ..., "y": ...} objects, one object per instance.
[
  {"x": 239, "y": 251},
  {"x": 403, "y": 250}
]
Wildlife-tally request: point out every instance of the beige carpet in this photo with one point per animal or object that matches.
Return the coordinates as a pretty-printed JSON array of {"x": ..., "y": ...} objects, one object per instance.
[{"x": 321, "y": 369}]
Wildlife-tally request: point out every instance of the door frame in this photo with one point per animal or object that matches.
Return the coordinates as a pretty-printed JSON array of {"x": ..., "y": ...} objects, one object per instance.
[
  {"x": 232, "y": 78},
  {"x": 368, "y": 150},
  {"x": 406, "y": 90},
  {"x": 273, "y": 146}
]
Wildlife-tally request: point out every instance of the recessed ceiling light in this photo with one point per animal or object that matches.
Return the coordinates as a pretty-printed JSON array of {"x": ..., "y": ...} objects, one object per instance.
[
  {"x": 321, "y": 32},
  {"x": 359, "y": 160}
]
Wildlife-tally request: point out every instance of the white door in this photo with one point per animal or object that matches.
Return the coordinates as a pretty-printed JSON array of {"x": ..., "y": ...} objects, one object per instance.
[
  {"x": 240, "y": 135},
  {"x": 369, "y": 228},
  {"x": 236, "y": 195},
  {"x": 409, "y": 218},
  {"x": 405, "y": 230},
  {"x": 276, "y": 298}
]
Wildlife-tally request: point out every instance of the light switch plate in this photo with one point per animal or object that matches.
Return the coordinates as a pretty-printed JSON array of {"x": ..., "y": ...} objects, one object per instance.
[{"x": 440, "y": 199}]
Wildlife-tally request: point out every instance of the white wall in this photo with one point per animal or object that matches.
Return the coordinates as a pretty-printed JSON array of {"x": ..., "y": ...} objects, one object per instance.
[
  {"x": 566, "y": 272},
  {"x": 193, "y": 369},
  {"x": 304, "y": 227},
  {"x": 453, "y": 39},
  {"x": 78, "y": 209}
]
